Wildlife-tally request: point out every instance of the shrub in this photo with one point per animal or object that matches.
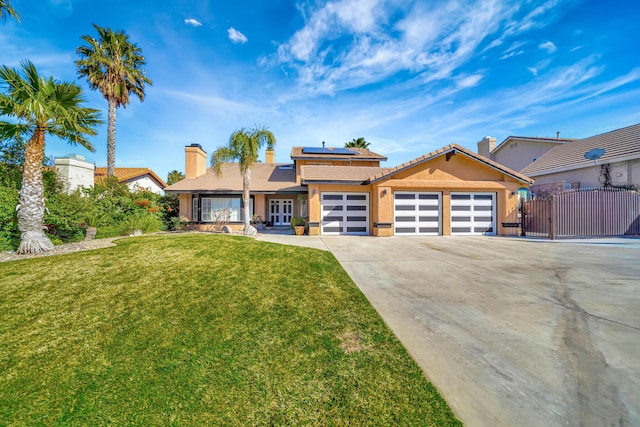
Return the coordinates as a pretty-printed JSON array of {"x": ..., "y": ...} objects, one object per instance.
[
  {"x": 9, "y": 234},
  {"x": 144, "y": 223}
]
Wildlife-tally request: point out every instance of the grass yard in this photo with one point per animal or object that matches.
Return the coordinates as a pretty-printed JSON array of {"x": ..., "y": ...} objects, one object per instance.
[{"x": 198, "y": 329}]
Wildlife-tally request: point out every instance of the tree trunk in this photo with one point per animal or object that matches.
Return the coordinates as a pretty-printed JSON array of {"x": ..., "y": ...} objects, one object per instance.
[
  {"x": 31, "y": 207},
  {"x": 246, "y": 179},
  {"x": 111, "y": 138}
]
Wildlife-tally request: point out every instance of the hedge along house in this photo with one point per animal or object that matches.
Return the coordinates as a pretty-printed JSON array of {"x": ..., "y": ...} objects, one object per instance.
[{"x": 451, "y": 191}]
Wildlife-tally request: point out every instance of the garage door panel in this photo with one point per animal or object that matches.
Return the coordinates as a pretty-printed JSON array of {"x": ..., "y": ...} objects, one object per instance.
[
  {"x": 416, "y": 213},
  {"x": 473, "y": 213},
  {"x": 344, "y": 213}
]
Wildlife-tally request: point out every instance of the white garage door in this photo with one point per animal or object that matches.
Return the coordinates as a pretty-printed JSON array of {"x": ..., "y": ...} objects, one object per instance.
[
  {"x": 344, "y": 213},
  {"x": 473, "y": 213},
  {"x": 416, "y": 213}
]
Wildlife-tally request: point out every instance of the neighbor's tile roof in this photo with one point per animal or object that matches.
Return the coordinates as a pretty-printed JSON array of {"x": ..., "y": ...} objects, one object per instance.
[
  {"x": 127, "y": 174},
  {"x": 355, "y": 174},
  {"x": 265, "y": 177},
  {"x": 363, "y": 154},
  {"x": 444, "y": 150},
  {"x": 620, "y": 144}
]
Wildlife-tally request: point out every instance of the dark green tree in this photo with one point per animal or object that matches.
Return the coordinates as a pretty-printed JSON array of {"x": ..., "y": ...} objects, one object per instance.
[
  {"x": 174, "y": 176},
  {"x": 357, "y": 143}
]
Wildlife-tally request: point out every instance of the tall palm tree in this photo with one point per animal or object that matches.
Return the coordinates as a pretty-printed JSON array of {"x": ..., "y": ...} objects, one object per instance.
[
  {"x": 244, "y": 146},
  {"x": 39, "y": 106},
  {"x": 114, "y": 66},
  {"x": 7, "y": 10},
  {"x": 358, "y": 143}
]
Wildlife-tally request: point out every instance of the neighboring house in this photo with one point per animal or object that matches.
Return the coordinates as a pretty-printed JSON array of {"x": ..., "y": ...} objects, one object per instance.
[
  {"x": 516, "y": 152},
  {"x": 75, "y": 172},
  {"x": 135, "y": 178},
  {"x": 565, "y": 166},
  {"x": 451, "y": 191}
]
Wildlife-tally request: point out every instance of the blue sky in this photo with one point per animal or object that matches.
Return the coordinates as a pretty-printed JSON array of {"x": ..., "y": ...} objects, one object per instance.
[{"x": 409, "y": 76}]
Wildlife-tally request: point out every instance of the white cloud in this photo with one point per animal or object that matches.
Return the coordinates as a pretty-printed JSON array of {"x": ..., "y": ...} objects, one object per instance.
[
  {"x": 513, "y": 50},
  {"x": 548, "y": 46},
  {"x": 539, "y": 67},
  {"x": 193, "y": 22},
  {"x": 236, "y": 36},
  {"x": 469, "y": 81},
  {"x": 347, "y": 44}
]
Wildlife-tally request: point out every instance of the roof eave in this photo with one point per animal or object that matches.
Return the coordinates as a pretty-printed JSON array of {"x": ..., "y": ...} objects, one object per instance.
[
  {"x": 334, "y": 181},
  {"x": 456, "y": 150}
]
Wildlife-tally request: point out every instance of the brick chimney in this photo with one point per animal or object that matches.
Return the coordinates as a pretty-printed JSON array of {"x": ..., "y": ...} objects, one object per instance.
[
  {"x": 195, "y": 161},
  {"x": 486, "y": 146},
  {"x": 270, "y": 155}
]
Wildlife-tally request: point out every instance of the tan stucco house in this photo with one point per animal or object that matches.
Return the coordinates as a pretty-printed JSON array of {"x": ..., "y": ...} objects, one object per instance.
[{"x": 451, "y": 191}]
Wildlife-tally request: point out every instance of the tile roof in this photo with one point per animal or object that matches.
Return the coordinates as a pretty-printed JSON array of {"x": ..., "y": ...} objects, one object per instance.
[
  {"x": 265, "y": 177},
  {"x": 620, "y": 144},
  {"x": 127, "y": 174},
  {"x": 444, "y": 150},
  {"x": 362, "y": 154},
  {"x": 353, "y": 174}
]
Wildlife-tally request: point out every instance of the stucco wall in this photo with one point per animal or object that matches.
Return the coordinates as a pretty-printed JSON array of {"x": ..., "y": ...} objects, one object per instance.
[
  {"x": 74, "y": 173},
  {"x": 146, "y": 183},
  {"x": 185, "y": 206},
  {"x": 622, "y": 173},
  {"x": 517, "y": 153}
]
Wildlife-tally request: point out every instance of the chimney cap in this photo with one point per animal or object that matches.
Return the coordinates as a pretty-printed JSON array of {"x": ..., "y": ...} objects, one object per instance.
[{"x": 195, "y": 145}]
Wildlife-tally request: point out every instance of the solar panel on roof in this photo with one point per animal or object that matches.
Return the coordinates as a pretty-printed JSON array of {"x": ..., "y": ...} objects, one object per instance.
[{"x": 324, "y": 150}]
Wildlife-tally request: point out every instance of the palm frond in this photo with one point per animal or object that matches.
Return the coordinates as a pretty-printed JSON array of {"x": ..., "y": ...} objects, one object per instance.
[{"x": 221, "y": 156}]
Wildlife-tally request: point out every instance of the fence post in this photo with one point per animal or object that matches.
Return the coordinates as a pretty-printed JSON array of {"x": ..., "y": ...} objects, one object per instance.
[
  {"x": 553, "y": 218},
  {"x": 523, "y": 218}
]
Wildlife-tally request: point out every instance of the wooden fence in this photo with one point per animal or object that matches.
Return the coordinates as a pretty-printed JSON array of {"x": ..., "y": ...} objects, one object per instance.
[{"x": 583, "y": 212}]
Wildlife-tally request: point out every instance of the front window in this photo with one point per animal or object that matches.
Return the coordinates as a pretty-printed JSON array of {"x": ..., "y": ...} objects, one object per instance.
[
  {"x": 212, "y": 208},
  {"x": 194, "y": 208}
]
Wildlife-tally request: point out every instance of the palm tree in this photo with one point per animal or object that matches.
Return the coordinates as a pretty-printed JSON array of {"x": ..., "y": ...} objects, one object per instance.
[
  {"x": 7, "y": 10},
  {"x": 244, "y": 146},
  {"x": 358, "y": 143},
  {"x": 39, "y": 106},
  {"x": 174, "y": 176},
  {"x": 114, "y": 66}
]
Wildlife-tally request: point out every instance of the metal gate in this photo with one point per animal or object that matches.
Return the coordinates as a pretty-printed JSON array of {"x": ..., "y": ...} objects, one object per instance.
[{"x": 583, "y": 212}]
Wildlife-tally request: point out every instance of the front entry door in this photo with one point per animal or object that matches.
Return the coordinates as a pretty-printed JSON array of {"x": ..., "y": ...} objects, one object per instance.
[{"x": 280, "y": 211}]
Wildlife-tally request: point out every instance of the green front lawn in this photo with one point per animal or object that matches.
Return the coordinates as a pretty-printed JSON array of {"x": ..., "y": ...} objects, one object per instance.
[{"x": 200, "y": 330}]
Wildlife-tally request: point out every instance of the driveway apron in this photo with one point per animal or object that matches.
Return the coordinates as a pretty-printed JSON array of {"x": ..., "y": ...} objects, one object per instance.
[{"x": 512, "y": 332}]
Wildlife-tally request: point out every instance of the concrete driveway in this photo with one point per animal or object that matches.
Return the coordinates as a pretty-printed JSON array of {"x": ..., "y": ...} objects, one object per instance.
[{"x": 512, "y": 332}]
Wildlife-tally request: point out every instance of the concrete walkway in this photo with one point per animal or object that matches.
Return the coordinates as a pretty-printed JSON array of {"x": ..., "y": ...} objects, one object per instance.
[{"x": 511, "y": 331}]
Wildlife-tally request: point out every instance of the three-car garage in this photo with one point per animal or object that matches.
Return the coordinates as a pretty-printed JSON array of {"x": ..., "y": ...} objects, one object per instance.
[{"x": 414, "y": 213}]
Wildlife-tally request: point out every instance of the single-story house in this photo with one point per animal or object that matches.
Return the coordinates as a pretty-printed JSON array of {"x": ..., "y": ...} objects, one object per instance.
[
  {"x": 516, "y": 152},
  {"x": 451, "y": 191},
  {"x": 76, "y": 172},
  {"x": 565, "y": 166}
]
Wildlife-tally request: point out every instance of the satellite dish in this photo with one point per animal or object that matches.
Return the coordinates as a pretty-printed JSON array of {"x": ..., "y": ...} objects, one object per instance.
[{"x": 594, "y": 155}]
